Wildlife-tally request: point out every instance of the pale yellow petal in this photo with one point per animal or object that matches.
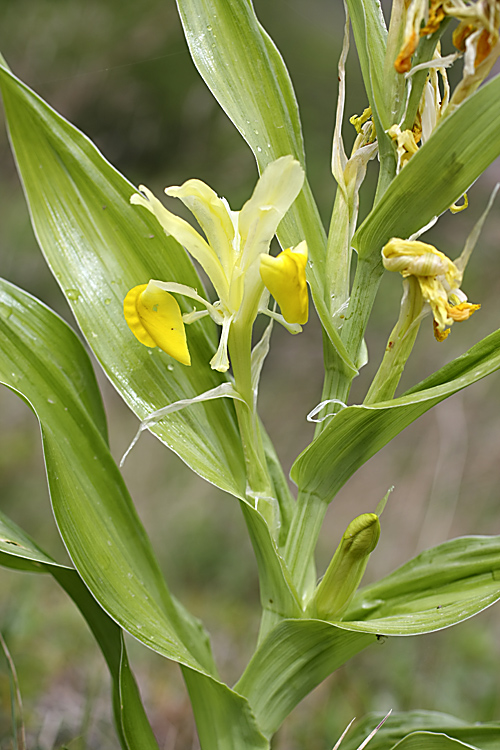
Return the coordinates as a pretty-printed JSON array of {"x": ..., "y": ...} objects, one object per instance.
[
  {"x": 276, "y": 190},
  {"x": 212, "y": 216},
  {"x": 187, "y": 236}
]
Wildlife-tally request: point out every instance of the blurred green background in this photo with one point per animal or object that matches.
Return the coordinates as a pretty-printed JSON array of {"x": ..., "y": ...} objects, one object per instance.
[{"x": 121, "y": 72}]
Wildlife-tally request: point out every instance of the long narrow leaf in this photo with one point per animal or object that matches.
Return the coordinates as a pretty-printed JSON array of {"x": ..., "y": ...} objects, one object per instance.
[
  {"x": 440, "y": 587},
  {"x": 356, "y": 433},
  {"x": 96, "y": 517},
  {"x": 20, "y": 552},
  {"x": 398, "y": 725},
  {"x": 459, "y": 150},
  {"x": 99, "y": 246},
  {"x": 93, "y": 510}
]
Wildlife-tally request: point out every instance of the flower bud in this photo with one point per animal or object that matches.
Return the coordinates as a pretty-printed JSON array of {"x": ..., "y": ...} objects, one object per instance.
[{"x": 344, "y": 574}]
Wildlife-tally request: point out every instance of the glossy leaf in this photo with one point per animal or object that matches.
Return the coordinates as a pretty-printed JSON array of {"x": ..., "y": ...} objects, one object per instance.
[
  {"x": 356, "y": 433},
  {"x": 245, "y": 72},
  {"x": 440, "y": 587},
  {"x": 45, "y": 363},
  {"x": 224, "y": 719},
  {"x": 399, "y": 725},
  {"x": 20, "y": 552},
  {"x": 97, "y": 520},
  {"x": 99, "y": 246},
  {"x": 294, "y": 658}
]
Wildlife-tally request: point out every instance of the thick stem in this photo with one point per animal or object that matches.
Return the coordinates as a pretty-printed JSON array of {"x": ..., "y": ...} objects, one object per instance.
[{"x": 366, "y": 283}]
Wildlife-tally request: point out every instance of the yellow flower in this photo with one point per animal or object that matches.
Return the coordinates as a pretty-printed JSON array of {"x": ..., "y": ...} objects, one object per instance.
[
  {"x": 438, "y": 277},
  {"x": 231, "y": 255},
  {"x": 285, "y": 277}
]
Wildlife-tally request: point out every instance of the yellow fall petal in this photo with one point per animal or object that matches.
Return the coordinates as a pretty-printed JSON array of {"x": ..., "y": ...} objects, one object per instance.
[
  {"x": 155, "y": 319},
  {"x": 285, "y": 277}
]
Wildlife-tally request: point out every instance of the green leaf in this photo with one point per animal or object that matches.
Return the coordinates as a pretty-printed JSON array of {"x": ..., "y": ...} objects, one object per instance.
[
  {"x": 99, "y": 246},
  {"x": 44, "y": 362},
  {"x": 294, "y": 658},
  {"x": 431, "y": 741},
  {"x": 98, "y": 522},
  {"x": 356, "y": 433},
  {"x": 20, "y": 552},
  {"x": 440, "y": 587},
  {"x": 246, "y": 74},
  {"x": 223, "y": 718},
  {"x": 459, "y": 150},
  {"x": 398, "y": 725}
]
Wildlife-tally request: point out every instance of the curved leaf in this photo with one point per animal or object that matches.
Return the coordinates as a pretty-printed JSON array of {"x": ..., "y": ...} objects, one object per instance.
[
  {"x": 294, "y": 658},
  {"x": 93, "y": 510},
  {"x": 459, "y": 150},
  {"x": 98, "y": 523},
  {"x": 356, "y": 433},
  {"x": 223, "y": 718},
  {"x": 19, "y": 551},
  {"x": 440, "y": 587},
  {"x": 399, "y": 725},
  {"x": 99, "y": 246},
  {"x": 431, "y": 741}
]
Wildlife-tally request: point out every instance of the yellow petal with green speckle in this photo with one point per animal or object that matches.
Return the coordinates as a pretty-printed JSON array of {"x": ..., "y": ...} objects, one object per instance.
[
  {"x": 285, "y": 277},
  {"x": 155, "y": 319}
]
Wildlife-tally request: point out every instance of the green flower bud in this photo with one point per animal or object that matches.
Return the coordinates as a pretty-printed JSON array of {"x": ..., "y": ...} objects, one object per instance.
[{"x": 344, "y": 574}]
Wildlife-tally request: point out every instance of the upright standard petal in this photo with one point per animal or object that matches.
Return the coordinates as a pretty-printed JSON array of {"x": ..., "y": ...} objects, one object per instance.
[
  {"x": 155, "y": 319},
  {"x": 276, "y": 190},
  {"x": 211, "y": 214},
  {"x": 285, "y": 277},
  {"x": 187, "y": 236}
]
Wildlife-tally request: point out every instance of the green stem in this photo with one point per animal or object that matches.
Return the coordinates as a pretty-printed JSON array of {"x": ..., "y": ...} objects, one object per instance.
[
  {"x": 302, "y": 538},
  {"x": 240, "y": 349},
  {"x": 366, "y": 283},
  {"x": 399, "y": 346}
]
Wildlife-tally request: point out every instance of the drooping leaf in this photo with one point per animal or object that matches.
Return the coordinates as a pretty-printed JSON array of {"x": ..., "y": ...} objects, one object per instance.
[
  {"x": 44, "y": 362},
  {"x": 438, "y": 588},
  {"x": 399, "y": 725},
  {"x": 99, "y": 246},
  {"x": 20, "y": 552},
  {"x": 97, "y": 520},
  {"x": 356, "y": 433}
]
